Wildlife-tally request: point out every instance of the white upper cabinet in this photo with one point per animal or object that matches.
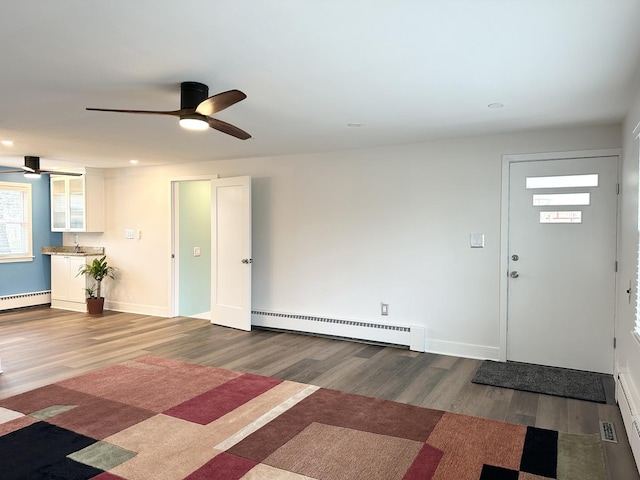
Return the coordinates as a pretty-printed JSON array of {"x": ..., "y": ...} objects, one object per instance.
[{"x": 77, "y": 203}]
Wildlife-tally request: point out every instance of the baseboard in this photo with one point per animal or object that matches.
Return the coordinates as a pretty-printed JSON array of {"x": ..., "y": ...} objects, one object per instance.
[
  {"x": 466, "y": 350},
  {"x": 411, "y": 336},
  {"x": 151, "y": 310},
  {"x": 22, "y": 300},
  {"x": 628, "y": 398},
  {"x": 68, "y": 305}
]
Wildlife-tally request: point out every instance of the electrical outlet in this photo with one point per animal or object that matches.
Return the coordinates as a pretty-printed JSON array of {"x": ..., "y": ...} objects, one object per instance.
[{"x": 384, "y": 309}]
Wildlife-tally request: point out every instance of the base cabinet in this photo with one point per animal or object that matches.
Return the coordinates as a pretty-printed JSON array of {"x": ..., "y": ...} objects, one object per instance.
[{"x": 67, "y": 288}]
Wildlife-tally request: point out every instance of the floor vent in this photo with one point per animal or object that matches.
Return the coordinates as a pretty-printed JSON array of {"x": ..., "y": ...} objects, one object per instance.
[
  {"x": 21, "y": 300},
  {"x": 608, "y": 432}
]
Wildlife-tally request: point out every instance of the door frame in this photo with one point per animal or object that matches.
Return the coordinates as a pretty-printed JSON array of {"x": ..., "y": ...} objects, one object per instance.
[
  {"x": 174, "y": 290},
  {"x": 507, "y": 160}
]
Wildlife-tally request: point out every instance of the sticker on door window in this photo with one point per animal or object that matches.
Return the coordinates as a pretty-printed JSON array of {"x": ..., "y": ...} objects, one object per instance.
[
  {"x": 552, "y": 199},
  {"x": 564, "y": 181},
  {"x": 561, "y": 217}
]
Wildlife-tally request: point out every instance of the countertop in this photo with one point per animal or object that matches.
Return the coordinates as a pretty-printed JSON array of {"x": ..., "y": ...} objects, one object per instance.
[{"x": 80, "y": 251}]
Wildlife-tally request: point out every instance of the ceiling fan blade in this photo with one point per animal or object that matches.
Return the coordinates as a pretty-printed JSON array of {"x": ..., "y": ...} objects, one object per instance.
[
  {"x": 55, "y": 172},
  {"x": 227, "y": 128},
  {"x": 219, "y": 102},
  {"x": 13, "y": 171},
  {"x": 175, "y": 113}
]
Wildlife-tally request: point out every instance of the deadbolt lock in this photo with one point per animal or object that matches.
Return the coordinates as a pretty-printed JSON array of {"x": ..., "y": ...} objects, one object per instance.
[{"x": 515, "y": 258}]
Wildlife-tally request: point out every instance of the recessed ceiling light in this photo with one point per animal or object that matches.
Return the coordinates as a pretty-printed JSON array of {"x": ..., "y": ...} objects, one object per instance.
[
  {"x": 495, "y": 105},
  {"x": 7, "y": 143},
  {"x": 133, "y": 162},
  {"x": 354, "y": 125}
]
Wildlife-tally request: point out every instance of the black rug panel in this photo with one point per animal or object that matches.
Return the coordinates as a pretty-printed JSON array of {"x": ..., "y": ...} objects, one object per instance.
[
  {"x": 540, "y": 454},
  {"x": 40, "y": 450}
]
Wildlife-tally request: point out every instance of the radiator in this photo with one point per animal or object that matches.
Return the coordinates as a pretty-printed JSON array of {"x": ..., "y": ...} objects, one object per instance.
[
  {"x": 629, "y": 404},
  {"x": 412, "y": 336},
  {"x": 20, "y": 300}
]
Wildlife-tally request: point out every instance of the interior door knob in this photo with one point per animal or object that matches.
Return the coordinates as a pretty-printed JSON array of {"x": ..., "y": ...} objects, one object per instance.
[
  {"x": 247, "y": 260},
  {"x": 514, "y": 274}
]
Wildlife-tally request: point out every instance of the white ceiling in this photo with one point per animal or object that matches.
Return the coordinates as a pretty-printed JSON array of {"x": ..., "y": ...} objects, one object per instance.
[{"x": 407, "y": 70}]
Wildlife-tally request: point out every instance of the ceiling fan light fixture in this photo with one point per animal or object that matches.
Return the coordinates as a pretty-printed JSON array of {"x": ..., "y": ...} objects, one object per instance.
[
  {"x": 193, "y": 122},
  {"x": 31, "y": 175}
]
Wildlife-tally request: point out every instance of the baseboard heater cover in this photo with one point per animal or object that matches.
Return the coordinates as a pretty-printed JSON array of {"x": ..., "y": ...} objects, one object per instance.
[
  {"x": 411, "y": 336},
  {"x": 629, "y": 403},
  {"x": 21, "y": 300}
]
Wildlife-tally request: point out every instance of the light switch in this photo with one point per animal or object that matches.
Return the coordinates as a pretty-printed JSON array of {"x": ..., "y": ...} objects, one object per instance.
[
  {"x": 128, "y": 233},
  {"x": 476, "y": 240},
  {"x": 196, "y": 251}
]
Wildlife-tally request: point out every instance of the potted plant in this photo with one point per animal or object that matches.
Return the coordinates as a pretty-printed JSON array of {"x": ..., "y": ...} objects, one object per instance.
[
  {"x": 98, "y": 269},
  {"x": 95, "y": 305}
]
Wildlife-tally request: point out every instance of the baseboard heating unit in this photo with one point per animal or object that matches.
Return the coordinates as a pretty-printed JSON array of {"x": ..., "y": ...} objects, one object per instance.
[
  {"x": 629, "y": 404},
  {"x": 411, "y": 336},
  {"x": 21, "y": 300}
]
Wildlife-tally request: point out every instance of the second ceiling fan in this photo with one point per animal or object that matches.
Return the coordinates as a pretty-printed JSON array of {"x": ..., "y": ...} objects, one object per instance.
[
  {"x": 31, "y": 169},
  {"x": 196, "y": 107}
]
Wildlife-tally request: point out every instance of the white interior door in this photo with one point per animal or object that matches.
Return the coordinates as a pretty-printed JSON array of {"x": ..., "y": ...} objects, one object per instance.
[
  {"x": 231, "y": 252},
  {"x": 562, "y": 252}
]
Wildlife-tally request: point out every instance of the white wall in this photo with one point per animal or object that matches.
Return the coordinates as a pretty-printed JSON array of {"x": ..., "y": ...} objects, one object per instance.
[{"x": 335, "y": 234}]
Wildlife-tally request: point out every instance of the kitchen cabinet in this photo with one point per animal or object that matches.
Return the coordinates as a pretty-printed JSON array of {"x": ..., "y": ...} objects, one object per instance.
[
  {"x": 67, "y": 288},
  {"x": 77, "y": 203}
]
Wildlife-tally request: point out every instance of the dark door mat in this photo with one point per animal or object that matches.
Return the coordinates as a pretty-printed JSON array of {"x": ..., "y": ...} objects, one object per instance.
[{"x": 561, "y": 382}]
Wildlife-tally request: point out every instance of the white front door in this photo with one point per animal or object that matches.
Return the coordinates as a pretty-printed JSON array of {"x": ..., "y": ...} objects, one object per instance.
[
  {"x": 231, "y": 252},
  {"x": 561, "y": 266}
]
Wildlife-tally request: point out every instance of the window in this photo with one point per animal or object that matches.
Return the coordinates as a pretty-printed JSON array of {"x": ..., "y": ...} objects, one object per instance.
[
  {"x": 561, "y": 217},
  {"x": 553, "y": 199},
  {"x": 637, "y": 326},
  {"x": 563, "y": 181},
  {"x": 15, "y": 222}
]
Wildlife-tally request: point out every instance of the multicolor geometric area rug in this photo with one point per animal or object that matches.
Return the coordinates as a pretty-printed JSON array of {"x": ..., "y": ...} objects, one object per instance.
[{"x": 155, "y": 418}]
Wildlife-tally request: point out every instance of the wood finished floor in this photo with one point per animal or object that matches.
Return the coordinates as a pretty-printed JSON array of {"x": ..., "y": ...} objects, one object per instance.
[{"x": 40, "y": 346}]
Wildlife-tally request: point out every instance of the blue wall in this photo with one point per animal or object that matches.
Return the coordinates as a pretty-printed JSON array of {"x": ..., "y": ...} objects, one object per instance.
[{"x": 35, "y": 276}]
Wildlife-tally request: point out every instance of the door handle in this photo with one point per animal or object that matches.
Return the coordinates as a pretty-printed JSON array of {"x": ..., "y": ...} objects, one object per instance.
[
  {"x": 247, "y": 260},
  {"x": 514, "y": 274}
]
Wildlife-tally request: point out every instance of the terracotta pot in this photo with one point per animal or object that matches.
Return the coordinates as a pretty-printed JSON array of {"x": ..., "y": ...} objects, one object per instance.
[{"x": 95, "y": 306}]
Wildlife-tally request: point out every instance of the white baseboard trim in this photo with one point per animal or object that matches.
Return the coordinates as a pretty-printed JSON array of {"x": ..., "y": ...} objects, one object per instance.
[
  {"x": 628, "y": 400},
  {"x": 69, "y": 305},
  {"x": 466, "y": 350},
  {"x": 151, "y": 310}
]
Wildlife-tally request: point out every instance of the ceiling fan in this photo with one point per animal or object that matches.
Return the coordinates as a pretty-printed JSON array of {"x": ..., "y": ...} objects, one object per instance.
[
  {"x": 195, "y": 108},
  {"x": 31, "y": 169}
]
